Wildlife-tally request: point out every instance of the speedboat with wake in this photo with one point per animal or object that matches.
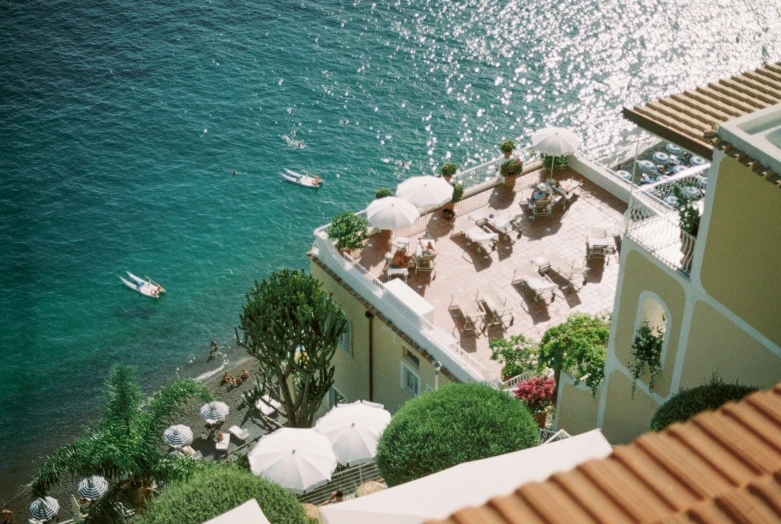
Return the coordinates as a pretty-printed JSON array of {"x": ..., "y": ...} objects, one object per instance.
[
  {"x": 302, "y": 179},
  {"x": 148, "y": 287}
]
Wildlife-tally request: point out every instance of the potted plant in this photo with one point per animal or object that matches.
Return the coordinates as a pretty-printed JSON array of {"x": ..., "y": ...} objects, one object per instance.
[
  {"x": 448, "y": 170},
  {"x": 449, "y": 209},
  {"x": 538, "y": 395},
  {"x": 348, "y": 231},
  {"x": 507, "y": 147},
  {"x": 382, "y": 193},
  {"x": 510, "y": 170},
  {"x": 689, "y": 221},
  {"x": 646, "y": 353},
  {"x": 557, "y": 162}
]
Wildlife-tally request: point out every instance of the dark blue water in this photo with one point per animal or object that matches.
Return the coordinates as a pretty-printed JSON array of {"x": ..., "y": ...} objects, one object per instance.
[{"x": 121, "y": 123}]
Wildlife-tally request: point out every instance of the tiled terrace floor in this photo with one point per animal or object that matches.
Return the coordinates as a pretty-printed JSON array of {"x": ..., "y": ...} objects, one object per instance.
[{"x": 461, "y": 267}]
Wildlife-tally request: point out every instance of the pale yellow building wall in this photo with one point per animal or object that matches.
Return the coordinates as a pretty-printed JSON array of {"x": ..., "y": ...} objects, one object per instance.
[
  {"x": 717, "y": 344},
  {"x": 626, "y": 417},
  {"x": 743, "y": 248},
  {"x": 578, "y": 413},
  {"x": 640, "y": 275}
]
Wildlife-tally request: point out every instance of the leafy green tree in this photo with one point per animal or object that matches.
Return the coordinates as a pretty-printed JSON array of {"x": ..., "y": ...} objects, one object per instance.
[
  {"x": 688, "y": 402},
  {"x": 217, "y": 489},
  {"x": 516, "y": 354},
  {"x": 577, "y": 346},
  {"x": 125, "y": 446},
  {"x": 348, "y": 230},
  {"x": 292, "y": 326},
  {"x": 455, "y": 424}
]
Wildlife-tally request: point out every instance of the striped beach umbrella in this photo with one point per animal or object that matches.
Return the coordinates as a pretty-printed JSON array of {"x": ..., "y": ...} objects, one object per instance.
[
  {"x": 93, "y": 487},
  {"x": 215, "y": 410},
  {"x": 179, "y": 435},
  {"x": 44, "y": 508}
]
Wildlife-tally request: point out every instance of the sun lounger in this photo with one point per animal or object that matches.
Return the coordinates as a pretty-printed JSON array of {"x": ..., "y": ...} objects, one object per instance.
[
  {"x": 496, "y": 303},
  {"x": 481, "y": 237},
  {"x": 571, "y": 270},
  {"x": 467, "y": 303},
  {"x": 223, "y": 444},
  {"x": 538, "y": 286},
  {"x": 597, "y": 243},
  {"x": 393, "y": 272},
  {"x": 566, "y": 191},
  {"x": 241, "y": 434}
]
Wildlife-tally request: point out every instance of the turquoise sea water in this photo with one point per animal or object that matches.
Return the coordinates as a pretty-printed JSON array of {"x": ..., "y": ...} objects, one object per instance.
[{"x": 121, "y": 123}]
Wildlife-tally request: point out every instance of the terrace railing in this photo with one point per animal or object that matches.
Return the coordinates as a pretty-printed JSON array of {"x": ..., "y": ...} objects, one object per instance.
[
  {"x": 346, "y": 481},
  {"x": 478, "y": 178}
]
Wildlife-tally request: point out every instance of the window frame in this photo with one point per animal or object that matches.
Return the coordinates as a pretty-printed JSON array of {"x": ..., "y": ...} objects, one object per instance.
[
  {"x": 405, "y": 368},
  {"x": 333, "y": 391},
  {"x": 348, "y": 334}
]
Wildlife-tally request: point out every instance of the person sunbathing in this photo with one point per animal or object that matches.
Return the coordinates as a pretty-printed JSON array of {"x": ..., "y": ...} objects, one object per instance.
[
  {"x": 428, "y": 248},
  {"x": 244, "y": 374},
  {"x": 400, "y": 259}
]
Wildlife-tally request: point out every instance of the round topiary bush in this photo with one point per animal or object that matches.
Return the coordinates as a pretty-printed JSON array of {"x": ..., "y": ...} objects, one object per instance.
[
  {"x": 455, "y": 424},
  {"x": 689, "y": 402},
  {"x": 215, "y": 490},
  {"x": 382, "y": 193}
]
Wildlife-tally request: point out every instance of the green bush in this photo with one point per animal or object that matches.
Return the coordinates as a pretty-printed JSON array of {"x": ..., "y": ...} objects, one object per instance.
[
  {"x": 560, "y": 162},
  {"x": 689, "y": 402},
  {"x": 508, "y": 146},
  {"x": 348, "y": 230},
  {"x": 458, "y": 193},
  {"x": 449, "y": 169},
  {"x": 382, "y": 193},
  {"x": 215, "y": 490},
  {"x": 516, "y": 354},
  {"x": 456, "y": 424}
]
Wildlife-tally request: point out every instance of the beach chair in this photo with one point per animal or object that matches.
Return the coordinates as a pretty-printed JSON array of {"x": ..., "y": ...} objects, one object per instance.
[
  {"x": 224, "y": 443},
  {"x": 470, "y": 309},
  {"x": 597, "y": 243},
  {"x": 482, "y": 238},
  {"x": 496, "y": 305},
  {"x": 541, "y": 208},
  {"x": 567, "y": 190},
  {"x": 241, "y": 434},
  {"x": 396, "y": 272},
  {"x": 504, "y": 224},
  {"x": 539, "y": 286},
  {"x": 426, "y": 263},
  {"x": 571, "y": 270}
]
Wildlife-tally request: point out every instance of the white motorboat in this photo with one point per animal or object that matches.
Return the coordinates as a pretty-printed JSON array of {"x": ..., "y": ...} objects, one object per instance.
[
  {"x": 148, "y": 288},
  {"x": 305, "y": 179}
]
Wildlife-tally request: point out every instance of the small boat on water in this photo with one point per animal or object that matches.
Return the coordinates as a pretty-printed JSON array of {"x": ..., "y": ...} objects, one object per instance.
[
  {"x": 305, "y": 179},
  {"x": 148, "y": 288}
]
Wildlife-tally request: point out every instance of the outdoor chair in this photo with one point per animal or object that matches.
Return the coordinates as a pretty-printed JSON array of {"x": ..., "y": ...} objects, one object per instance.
[
  {"x": 241, "y": 434},
  {"x": 393, "y": 272},
  {"x": 541, "y": 208},
  {"x": 467, "y": 304},
  {"x": 223, "y": 444},
  {"x": 597, "y": 243},
  {"x": 426, "y": 263},
  {"x": 482, "y": 238},
  {"x": 496, "y": 306},
  {"x": 570, "y": 270},
  {"x": 567, "y": 190},
  {"x": 539, "y": 286}
]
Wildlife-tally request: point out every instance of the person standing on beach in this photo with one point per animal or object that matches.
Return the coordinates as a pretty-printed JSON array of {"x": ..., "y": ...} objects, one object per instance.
[{"x": 213, "y": 350}]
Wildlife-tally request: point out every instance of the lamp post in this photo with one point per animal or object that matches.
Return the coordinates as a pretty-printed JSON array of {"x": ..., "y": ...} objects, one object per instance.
[{"x": 437, "y": 367}]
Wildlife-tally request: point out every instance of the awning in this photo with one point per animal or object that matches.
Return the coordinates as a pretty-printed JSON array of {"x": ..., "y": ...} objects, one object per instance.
[{"x": 691, "y": 118}]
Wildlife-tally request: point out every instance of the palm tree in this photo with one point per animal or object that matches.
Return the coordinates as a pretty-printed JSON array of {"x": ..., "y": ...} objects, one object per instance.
[{"x": 125, "y": 446}]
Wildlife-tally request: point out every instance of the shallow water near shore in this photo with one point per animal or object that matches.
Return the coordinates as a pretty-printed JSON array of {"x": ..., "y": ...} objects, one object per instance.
[{"x": 121, "y": 124}]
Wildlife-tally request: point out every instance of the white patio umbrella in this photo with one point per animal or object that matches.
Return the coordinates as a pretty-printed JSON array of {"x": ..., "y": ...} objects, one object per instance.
[
  {"x": 555, "y": 141},
  {"x": 215, "y": 410},
  {"x": 44, "y": 508},
  {"x": 391, "y": 213},
  {"x": 354, "y": 430},
  {"x": 297, "y": 459},
  {"x": 177, "y": 436},
  {"x": 93, "y": 487},
  {"x": 425, "y": 191}
]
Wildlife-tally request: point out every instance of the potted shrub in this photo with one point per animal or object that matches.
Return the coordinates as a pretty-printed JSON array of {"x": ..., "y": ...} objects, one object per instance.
[
  {"x": 448, "y": 170},
  {"x": 507, "y": 147},
  {"x": 689, "y": 221},
  {"x": 646, "y": 354},
  {"x": 538, "y": 395},
  {"x": 458, "y": 194},
  {"x": 510, "y": 171},
  {"x": 382, "y": 193},
  {"x": 348, "y": 231},
  {"x": 553, "y": 162}
]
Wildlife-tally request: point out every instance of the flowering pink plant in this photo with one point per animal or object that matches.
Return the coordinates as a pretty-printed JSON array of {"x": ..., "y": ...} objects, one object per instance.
[{"x": 536, "y": 393}]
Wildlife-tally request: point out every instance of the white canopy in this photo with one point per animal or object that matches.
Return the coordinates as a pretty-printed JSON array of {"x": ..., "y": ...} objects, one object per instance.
[
  {"x": 391, "y": 213},
  {"x": 468, "y": 484},
  {"x": 354, "y": 430},
  {"x": 555, "y": 141},
  {"x": 425, "y": 191},
  {"x": 247, "y": 513}
]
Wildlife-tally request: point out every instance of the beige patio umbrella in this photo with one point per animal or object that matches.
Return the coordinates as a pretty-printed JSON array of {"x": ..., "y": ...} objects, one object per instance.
[
  {"x": 391, "y": 213},
  {"x": 555, "y": 141}
]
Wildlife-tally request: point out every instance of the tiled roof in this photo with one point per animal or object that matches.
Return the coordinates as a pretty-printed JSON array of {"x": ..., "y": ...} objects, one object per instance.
[
  {"x": 690, "y": 118},
  {"x": 721, "y": 466}
]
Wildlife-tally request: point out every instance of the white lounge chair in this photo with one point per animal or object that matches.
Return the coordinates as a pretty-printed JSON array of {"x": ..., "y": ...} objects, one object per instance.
[
  {"x": 223, "y": 444},
  {"x": 533, "y": 282},
  {"x": 241, "y": 434},
  {"x": 566, "y": 191},
  {"x": 483, "y": 238},
  {"x": 571, "y": 270},
  {"x": 597, "y": 243},
  {"x": 496, "y": 303},
  {"x": 467, "y": 304}
]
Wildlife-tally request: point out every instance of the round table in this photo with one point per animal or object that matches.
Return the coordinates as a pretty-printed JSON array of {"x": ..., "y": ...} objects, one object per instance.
[
  {"x": 679, "y": 169},
  {"x": 671, "y": 201},
  {"x": 691, "y": 191},
  {"x": 626, "y": 175},
  {"x": 646, "y": 165},
  {"x": 675, "y": 149},
  {"x": 661, "y": 158},
  {"x": 697, "y": 161}
]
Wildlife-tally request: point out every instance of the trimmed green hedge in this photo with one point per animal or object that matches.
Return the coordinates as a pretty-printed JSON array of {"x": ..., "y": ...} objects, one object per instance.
[
  {"x": 457, "y": 423},
  {"x": 215, "y": 490},
  {"x": 690, "y": 402}
]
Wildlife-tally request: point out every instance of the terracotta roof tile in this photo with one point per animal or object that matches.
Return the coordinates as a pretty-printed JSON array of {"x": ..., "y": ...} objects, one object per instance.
[{"x": 721, "y": 466}]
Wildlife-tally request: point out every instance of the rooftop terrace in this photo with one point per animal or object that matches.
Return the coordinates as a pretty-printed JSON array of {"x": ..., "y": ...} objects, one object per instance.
[{"x": 461, "y": 268}]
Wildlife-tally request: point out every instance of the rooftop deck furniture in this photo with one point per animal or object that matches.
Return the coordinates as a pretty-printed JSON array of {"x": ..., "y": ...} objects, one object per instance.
[
  {"x": 466, "y": 302},
  {"x": 571, "y": 270},
  {"x": 482, "y": 238},
  {"x": 239, "y": 433},
  {"x": 393, "y": 272},
  {"x": 567, "y": 190},
  {"x": 223, "y": 444},
  {"x": 541, "y": 208},
  {"x": 598, "y": 243},
  {"x": 497, "y": 306},
  {"x": 538, "y": 285}
]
